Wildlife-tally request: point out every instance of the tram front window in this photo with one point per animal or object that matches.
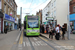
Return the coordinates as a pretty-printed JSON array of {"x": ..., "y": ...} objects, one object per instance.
[{"x": 33, "y": 23}]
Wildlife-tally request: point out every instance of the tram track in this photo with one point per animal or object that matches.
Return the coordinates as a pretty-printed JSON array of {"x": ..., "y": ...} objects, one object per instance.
[
  {"x": 33, "y": 48},
  {"x": 31, "y": 44}
]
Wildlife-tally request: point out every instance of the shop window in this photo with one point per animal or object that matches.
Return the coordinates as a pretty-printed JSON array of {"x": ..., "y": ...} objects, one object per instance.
[{"x": 74, "y": 9}]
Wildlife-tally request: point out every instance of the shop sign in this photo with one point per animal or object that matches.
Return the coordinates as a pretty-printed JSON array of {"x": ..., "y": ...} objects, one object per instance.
[{"x": 7, "y": 17}]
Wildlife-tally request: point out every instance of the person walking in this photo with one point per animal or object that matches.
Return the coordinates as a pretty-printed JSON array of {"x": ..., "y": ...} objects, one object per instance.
[
  {"x": 63, "y": 32},
  {"x": 57, "y": 36},
  {"x": 5, "y": 30}
]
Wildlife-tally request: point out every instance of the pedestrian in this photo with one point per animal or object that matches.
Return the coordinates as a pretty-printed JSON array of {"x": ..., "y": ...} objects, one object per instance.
[
  {"x": 51, "y": 32},
  {"x": 43, "y": 29},
  {"x": 63, "y": 32},
  {"x": 57, "y": 36},
  {"x": 40, "y": 28},
  {"x": 5, "y": 30},
  {"x": 47, "y": 29}
]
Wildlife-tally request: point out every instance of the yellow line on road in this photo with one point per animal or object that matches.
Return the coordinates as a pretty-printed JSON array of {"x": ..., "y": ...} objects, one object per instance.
[
  {"x": 21, "y": 38},
  {"x": 43, "y": 38}
]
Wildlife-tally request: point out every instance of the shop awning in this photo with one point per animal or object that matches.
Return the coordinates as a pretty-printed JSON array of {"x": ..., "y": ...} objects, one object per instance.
[{"x": 72, "y": 17}]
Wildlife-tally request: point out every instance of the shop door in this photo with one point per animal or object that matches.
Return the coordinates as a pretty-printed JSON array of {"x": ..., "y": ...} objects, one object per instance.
[{"x": 0, "y": 25}]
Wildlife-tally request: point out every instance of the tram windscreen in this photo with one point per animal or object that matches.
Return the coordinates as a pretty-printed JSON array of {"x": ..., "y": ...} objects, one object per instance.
[{"x": 33, "y": 22}]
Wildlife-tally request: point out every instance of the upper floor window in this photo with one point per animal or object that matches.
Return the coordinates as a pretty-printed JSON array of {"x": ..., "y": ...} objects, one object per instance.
[
  {"x": 8, "y": 10},
  {"x": 5, "y": 8},
  {"x": 8, "y": 0},
  {"x": 54, "y": 13},
  {"x": 54, "y": 3},
  {"x": 74, "y": 9}
]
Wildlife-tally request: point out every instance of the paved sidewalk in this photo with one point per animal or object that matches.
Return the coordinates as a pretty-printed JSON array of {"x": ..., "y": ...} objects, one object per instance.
[
  {"x": 66, "y": 42},
  {"x": 8, "y": 40}
]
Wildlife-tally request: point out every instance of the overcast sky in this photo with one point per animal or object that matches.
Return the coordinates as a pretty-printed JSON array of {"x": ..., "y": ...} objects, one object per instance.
[{"x": 30, "y": 6}]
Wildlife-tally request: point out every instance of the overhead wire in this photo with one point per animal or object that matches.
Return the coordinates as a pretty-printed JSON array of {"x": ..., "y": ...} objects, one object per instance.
[
  {"x": 30, "y": 4},
  {"x": 37, "y": 6}
]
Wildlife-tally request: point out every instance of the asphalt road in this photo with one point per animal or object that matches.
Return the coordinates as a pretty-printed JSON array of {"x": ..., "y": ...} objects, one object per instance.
[
  {"x": 35, "y": 43},
  {"x": 8, "y": 42}
]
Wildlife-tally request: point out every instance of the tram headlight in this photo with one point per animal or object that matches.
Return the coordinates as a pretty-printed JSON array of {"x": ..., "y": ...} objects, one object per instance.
[{"x": 37, "y": 30}]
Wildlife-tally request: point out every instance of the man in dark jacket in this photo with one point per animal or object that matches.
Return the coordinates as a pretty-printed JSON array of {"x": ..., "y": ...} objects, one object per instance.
[{"x": 5, "y": 30}]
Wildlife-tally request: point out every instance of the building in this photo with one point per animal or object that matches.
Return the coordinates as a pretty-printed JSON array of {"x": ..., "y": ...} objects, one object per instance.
[
  {"x": 45, "y": 14},
  {"x": 9, "y": 9},
  {"x": 40, "y": 15},
  {"x": 18, "y": 18},
  {"x": 57, "y": 9},
  {"x": 1, "y": 17},
  {"x": 72, "y": 14}
]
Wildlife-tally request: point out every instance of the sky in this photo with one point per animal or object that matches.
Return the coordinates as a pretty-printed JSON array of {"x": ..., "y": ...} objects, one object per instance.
[{"x": 30, "y": 6}]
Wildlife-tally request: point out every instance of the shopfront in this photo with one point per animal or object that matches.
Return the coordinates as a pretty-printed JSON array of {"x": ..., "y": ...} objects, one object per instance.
[
  {"x": 1, "y": 22},
  {"x": 9, "y": 22},
  {"x": 72, "y": 21}
]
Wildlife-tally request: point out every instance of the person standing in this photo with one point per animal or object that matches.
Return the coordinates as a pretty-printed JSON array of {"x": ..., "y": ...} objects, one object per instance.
[
  {"x": 57, "y": 36},
  {"x": 43, "y": 29},
  {"x": 47, "y": 29},
  {"x": 63, "y": 32},
  {"x": 5, "y": 30},
  {"x": 51, "y": 32}
]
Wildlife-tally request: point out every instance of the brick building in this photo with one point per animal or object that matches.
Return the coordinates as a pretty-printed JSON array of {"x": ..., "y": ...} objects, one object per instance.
[
  {"x": 40, "y": 15},
  {"x": 72, "y": 14},
  {"x": 9, "y": 9},
  {"x": 72, "y": 6}
]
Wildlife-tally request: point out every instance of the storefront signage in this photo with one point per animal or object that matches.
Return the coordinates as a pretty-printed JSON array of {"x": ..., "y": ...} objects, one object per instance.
[{"x": 7, "y": 17}]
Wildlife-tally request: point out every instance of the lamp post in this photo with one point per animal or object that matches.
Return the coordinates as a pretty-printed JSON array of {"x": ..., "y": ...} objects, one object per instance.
[{"x": 68, "y": 18}]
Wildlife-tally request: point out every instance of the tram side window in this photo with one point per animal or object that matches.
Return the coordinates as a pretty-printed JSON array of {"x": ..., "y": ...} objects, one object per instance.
[{"x": 24, "y": 24}]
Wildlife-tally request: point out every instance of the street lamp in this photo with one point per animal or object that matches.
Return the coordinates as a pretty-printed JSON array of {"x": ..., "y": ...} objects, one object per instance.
[{"x": 68, "y": 18}]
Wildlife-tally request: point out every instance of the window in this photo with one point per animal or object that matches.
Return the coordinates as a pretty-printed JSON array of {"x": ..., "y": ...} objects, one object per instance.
[
  {"x": 8, "y": 0},
  {"x": 5, "y": 8},
  {"x": 54, "y": 13},
  {"x": 74, "y": 9},
  {"x": 54, "y": 3},
  {"x": 8, "y": 10}
]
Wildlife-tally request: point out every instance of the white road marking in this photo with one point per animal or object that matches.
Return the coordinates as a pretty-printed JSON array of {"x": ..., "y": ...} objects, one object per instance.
[
  {"x": 28, "y": 44},
  {"x": 37, "y": 43},
  {"x": 18, "y": 36},
  {"x": 34, "y": 44},
  {"x": 34, "y": 38},
  {"x": 24, "y": 44},
  {"x": 40, "y": 42}
]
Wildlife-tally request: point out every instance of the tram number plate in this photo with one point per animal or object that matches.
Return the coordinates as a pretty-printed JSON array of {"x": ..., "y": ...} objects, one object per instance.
[{"x": 33, "y": 30}]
